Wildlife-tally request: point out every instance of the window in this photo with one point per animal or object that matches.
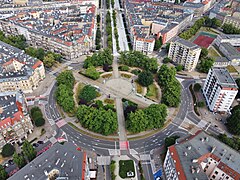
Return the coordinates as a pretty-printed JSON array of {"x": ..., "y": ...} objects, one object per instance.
[
  {"x": 216, "y": 172},
  {"x": 227, "y": 177},
  {"x": 213, "y": 176}
]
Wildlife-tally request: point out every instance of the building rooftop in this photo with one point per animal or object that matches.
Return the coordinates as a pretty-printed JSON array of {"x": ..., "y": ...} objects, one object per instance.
[
  {"x": 66, "y": 159},
  {"x": 194, "y": 150},
  {"x": 224, "y": 77},
  {"x": 68, "y": 24},
  {"x": 188, "y": 44},
  {"x": 10, "y": 104},
  {"x": 231, "y": 51},
  {"x": 8, "y": 54}
]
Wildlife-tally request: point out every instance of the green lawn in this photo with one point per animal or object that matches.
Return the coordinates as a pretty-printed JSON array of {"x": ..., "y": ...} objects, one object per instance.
[
  {"x": 152, "y": 91},
  {"x": 139, "y": 88},
  {"x": 126, "y": 166},
  {"x": 231, "y": 69},
  {"x": 212, "y": 53}
]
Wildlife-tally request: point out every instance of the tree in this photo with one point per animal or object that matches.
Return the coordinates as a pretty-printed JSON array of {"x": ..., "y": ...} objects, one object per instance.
[
  {"x": 156, "y": 115},
  {"x": 145, "y": 78},
  {"x": 88, "y": 93},
  {"x": 92, "y": 73},
  {"x": 3, "y": 173},
  {"x": 98, "y": 120},
  {"x": 138, "y": 59},
  {"x": 166, "y": 60},
  {"x": 137, "y": 121},
  {"x": 197, "y": 87},
  {"x": 66, "y": 77},
  {"x": 64, "y": 96},
  {"x": 179, "y": 67},
  {"x": 230, "y": 29},
  {"x": 204, "y": 53},
  {"x": 233, "y": 122},
  {"x": 19, "y": 160},
  {"x": 48, "y": 60},
  {"x": 166, "y": 75},
  {"x": 157, "y": 45},
  {"x": 205, "y": 65},
  {"x": 8, "y": 150},
  {"x": 169, "y": 141},
  {"x": 39, "y": 122},
  {"x": 29, "y": 151}
]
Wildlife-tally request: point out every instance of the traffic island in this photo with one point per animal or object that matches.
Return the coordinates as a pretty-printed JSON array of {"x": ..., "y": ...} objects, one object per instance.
[{"x": 126, "y": 169}]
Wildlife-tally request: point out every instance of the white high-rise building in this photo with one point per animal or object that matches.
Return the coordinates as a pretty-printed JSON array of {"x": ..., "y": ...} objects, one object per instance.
[
  {"x": 185, "y": 53},
  {"x": 219, "y": 89}
]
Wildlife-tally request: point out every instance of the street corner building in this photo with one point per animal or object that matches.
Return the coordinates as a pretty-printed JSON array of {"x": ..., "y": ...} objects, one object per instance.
[
  {"x": 19, "y": 71},
  {"x": 184, "y": 53},
  {"x": 15, "y": 123},
  {"x": 59, "y": 162},
  {"x": 201, "y": 157},
  {"x": 219, "y": 90}
]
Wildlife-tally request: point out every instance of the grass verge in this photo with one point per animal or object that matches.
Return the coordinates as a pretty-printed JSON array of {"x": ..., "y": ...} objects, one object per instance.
[
  {"x": 152, "y": 92},
  {"x": 126, "y": 166}
]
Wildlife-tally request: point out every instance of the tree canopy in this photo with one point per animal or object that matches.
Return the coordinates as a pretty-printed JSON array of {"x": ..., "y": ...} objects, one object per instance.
[
  {"x": 97, "y": 120},
  {"x": 92, "y": 73},
  {"x": 233, "y": 122},
  {"x": 158, "y": 44},
  {"x": 145, "y": 78},
  {"x": 99, "y": 59},
  {"x": 29, "y": 151},
  {"x": 8, "y": 150},
  {"x": 19, "y": 160},
  {"x": 205, "y": 64},
  {"x": 204, "y": 53},
  {"x": 138, "y": 59},
  {"x": 230, "y": 29},
  {"x": 66, "y": 78},
  {"x": 171, "y": 88},
  {"x": 88, "y": 93},
  {"x": 3, "y": 173},
  {"x": 37, "y": 116},
  {"x": 152, "y": 117}
]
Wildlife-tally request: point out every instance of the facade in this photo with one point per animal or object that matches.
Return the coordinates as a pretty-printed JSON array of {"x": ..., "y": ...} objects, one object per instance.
[
  {"x": 185, "y": 53},
  {"x": 231, "y": 53},
  {"x": 219, "y": 89},
  {"x": 201, "y": 156},
  {"x": 60, "y": 161},
  {"x": 15, "y": 123},
  {"x": 233, "y": 39},
  {"x": 68, "y": 29},
  {"x": 19, "y": 71}
]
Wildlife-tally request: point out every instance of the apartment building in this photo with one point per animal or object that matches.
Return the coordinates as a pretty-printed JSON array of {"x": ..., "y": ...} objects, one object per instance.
[
  {"x": 146, "y": 20},
  {"x": 219, "y": 89},
  {"x": 185, "y": 53},
  {"x": 18, "y": 71},
  {"x": 231, "y": 53},
  {"x": 68, "y": 30},
  {"x": 201, "y": 156},
  {"x": 233, "y": 39},
  {"x": 15, "y": 123}
]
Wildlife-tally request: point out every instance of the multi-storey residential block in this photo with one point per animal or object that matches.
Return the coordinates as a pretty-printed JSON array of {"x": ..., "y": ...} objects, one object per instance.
[
  {"x": 19, "y": 71},
  {"x": 201, "y": 156},
  {"x": 233, "y": 39},
  {"x": 15, "y": 123},
  {"x": 68, "y": 30},
  {"x": 219, "y": 89},
  {"x": 231, "y": 53},
  {"x": 185, "y": 53},
  {"x": 235, "y": 21},
  {"x": 146, "y": 21}
]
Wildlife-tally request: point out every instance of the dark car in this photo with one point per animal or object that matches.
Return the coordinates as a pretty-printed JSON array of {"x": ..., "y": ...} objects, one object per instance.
[
  {"x": 40, "y": 142},
  {"x": 35, "y": 144},
  {"x": 10, "y": 162}
]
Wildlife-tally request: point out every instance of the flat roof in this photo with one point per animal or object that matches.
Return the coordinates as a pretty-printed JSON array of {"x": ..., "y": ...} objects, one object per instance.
[
  {"x": 65, "y": 158},
  {"x": 195, "y": 146},
  {"x": 187, "y": 43},
  {"x": 224, "y": 77}
]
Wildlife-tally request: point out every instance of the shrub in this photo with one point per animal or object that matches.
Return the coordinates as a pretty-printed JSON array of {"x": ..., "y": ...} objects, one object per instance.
[
  {"x": 8, "y": 150},
  {"x": 145, "y": 78},
  {"x": 88, "y": 93},
  {"x": 39, "y": 121},
  {"x": 123, "y": 68}
]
